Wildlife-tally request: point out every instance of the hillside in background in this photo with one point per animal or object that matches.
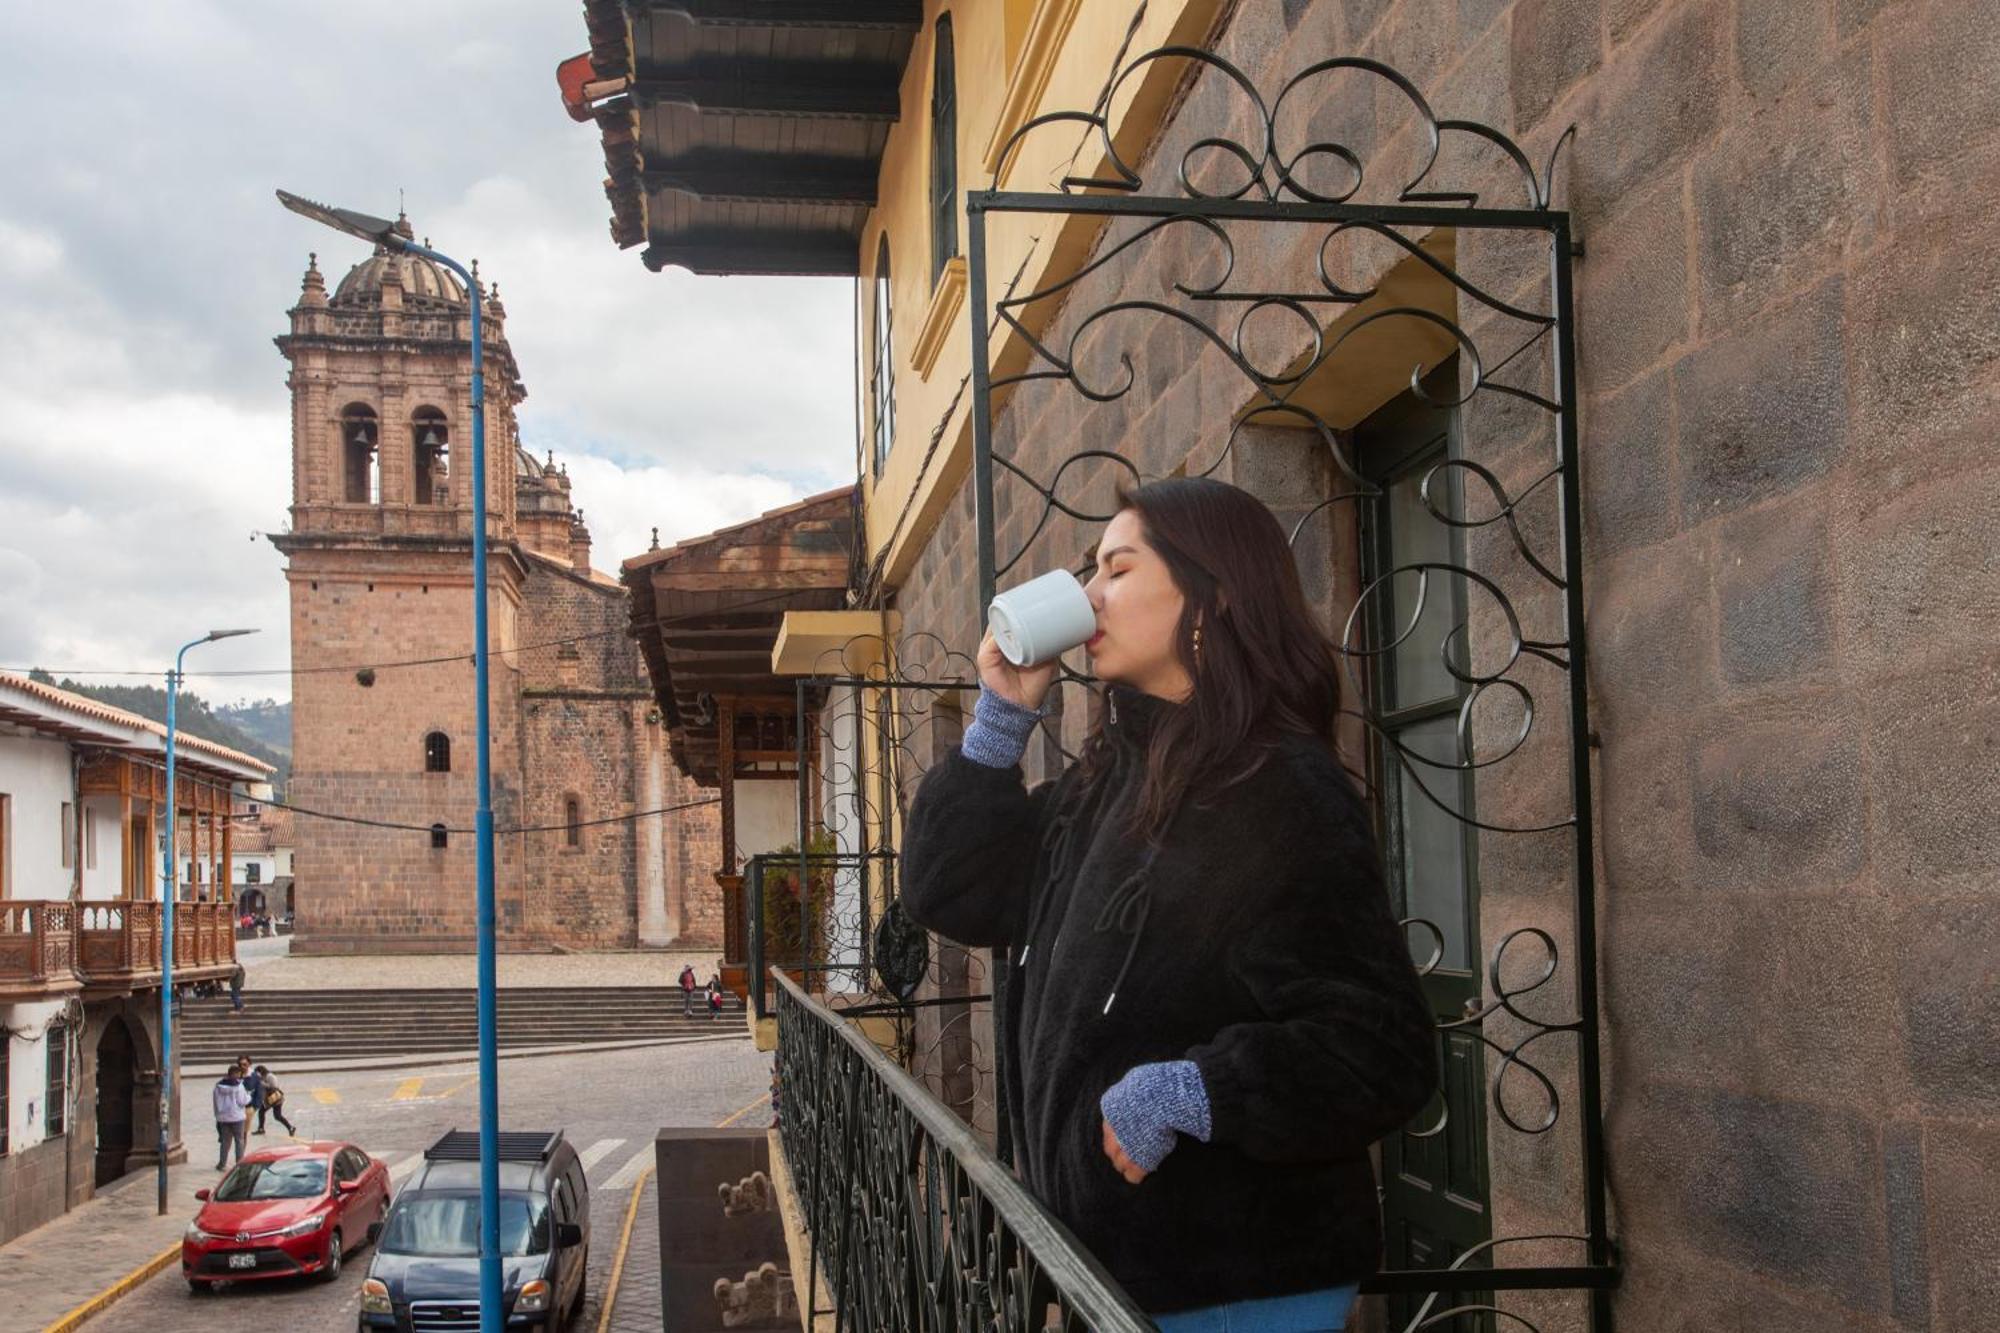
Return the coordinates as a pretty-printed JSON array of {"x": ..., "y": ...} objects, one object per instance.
[
  {"x": 269, "y": 721},
  {"x": 262, "y": 729}
]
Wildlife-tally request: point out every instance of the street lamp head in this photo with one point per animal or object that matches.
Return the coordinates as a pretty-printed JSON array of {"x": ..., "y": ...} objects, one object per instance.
[
  {"x": 215, "y": 634},
  {"x": 361, "y": 226}
]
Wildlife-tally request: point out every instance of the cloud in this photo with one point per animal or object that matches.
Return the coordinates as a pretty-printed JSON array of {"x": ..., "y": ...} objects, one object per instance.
[{"x": 145, "y": 267}]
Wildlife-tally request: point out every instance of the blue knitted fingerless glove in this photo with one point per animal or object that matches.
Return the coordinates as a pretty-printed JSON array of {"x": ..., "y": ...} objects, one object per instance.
[
  {"x": 999, "y": 732},
  {"x": 1154, "y": 1104}
]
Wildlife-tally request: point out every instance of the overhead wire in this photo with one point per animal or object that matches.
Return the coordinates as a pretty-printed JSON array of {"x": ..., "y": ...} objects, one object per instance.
[
  {"x": 197, "y": 780},
  {"x": 748, "y": 604}
]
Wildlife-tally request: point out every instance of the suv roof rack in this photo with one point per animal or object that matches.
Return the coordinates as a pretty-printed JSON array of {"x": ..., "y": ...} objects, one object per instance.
[{"x": 462, "y": 1145}]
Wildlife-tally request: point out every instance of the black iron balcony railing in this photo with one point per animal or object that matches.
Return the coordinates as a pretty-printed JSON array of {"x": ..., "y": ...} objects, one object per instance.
[{"x": 915, "y": 1225}]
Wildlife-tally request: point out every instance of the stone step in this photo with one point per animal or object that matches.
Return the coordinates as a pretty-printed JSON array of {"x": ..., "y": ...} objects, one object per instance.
[{"x": 286, "y": 1027}]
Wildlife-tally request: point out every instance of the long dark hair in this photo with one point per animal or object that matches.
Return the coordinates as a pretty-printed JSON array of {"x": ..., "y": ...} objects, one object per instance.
[{"x": 1264, "y": 669}]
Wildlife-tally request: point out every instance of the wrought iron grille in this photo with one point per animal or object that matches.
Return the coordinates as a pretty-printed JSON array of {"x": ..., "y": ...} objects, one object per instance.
[
  {"x": 915, "y": 1226},
  {"x": 1273, "y": 274},
  {"x": 880, "y": 712}
]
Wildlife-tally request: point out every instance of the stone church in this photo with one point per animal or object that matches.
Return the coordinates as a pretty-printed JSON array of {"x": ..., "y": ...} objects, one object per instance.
[{"x": 591, "y": 853}]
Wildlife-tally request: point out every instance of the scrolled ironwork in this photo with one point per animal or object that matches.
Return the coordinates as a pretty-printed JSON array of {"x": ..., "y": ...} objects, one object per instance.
[
  {"x": 1262, "y": 256},
  {"x": 1271, "y": 168},
  {"x": 915, "y": 1226}
]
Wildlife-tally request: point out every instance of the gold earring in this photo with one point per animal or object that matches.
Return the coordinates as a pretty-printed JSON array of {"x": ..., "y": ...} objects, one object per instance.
[{"x": 1197, "y": 645}]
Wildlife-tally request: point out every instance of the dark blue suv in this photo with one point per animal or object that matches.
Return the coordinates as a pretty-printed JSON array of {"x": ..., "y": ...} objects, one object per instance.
[{"x": 425, "y": 1274}]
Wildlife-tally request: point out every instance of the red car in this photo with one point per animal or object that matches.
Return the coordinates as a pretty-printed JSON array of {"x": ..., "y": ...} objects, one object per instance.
[{"x": 285, "y": 1210}]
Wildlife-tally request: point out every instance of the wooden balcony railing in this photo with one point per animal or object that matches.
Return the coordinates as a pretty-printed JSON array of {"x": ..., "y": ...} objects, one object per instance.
[
  {"x": 204, "y": 936},
  {"x": 48, "y": 948},
  {"x": 37, "y": 948},
  {"x": 118, "y": 941}
]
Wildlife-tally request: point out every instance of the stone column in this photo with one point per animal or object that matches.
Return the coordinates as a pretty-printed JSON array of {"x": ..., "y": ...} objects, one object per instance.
[{"x": 656, "y": 916}]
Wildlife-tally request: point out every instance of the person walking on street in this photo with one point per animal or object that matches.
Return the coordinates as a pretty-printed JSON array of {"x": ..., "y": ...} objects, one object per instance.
[
  {"x": 272, "y": 1102},
  {"x": 253, "y": 1083},
  {"x": 236, "y": 990},
  {"x": 231, "y": 1102},
  {"x": 687, "y": 990},
  {"x": 714, "y": 996},
  {"x": 1210, "y": 1011}
]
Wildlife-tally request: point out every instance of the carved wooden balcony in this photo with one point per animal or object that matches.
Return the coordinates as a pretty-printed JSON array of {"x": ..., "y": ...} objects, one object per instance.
[{"x": 37, "y": 950}]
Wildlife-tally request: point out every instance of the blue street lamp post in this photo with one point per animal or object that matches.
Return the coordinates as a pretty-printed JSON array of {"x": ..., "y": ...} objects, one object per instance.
[
  {"x": 382, "y": 232},
  {"x": 167, "y": 862}
]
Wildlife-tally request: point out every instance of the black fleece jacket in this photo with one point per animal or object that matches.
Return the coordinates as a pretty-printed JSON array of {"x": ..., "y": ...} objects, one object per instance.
[{"x": 1255, "y": 939}]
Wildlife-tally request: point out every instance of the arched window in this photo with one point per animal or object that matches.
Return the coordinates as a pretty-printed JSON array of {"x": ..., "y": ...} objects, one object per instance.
[
  {"x": 437, "y": 753},
  {"x": 440, "y": 837},
  {"x": 944, "y": 152},
  {"x": 572, "y": 822},
  {"x": 359, "y": 435},
  {"x": 882, "y": 381},
  {"x": 430, "y": 440}
]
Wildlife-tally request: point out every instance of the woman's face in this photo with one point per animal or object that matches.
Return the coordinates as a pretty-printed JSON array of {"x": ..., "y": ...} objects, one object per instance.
[{"x": 1138, "y": 611}]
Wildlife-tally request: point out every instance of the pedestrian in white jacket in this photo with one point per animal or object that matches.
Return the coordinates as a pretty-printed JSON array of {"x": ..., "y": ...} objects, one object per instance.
[{"x": 232, "y": 1102}]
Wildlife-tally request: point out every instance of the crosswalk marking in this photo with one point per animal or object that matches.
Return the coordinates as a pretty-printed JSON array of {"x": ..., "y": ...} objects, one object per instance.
[
  {"x": 628, "y": 1173},
  {"x": 594, "y": 1154},
  {"x": 632, "y": 1156},
  {"x": 407, "y": 1089}
]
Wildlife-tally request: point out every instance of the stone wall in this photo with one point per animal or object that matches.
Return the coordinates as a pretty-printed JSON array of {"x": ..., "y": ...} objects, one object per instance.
[
  {"x": 1787, "y": 384},
  {"x": 32, "y": 1184},
  {"x": 572, "y": 716},
  {"x": 358, "y": 744}
]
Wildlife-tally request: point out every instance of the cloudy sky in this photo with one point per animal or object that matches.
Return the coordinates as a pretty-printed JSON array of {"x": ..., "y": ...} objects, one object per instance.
[{"x": 145, "y": 268}]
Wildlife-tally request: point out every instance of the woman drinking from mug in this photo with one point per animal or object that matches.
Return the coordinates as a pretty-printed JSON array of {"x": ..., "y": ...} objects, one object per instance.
[{"x": 1211, "y": 1010}]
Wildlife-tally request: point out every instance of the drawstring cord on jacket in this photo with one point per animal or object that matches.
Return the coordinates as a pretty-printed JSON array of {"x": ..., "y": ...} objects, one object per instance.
[
  {"x": 1058, "y": 841},
  {"x": 1127, "y": 908}
]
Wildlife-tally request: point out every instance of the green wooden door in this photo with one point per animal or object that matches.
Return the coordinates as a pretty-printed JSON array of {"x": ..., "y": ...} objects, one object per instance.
[{"x": 1435, "y": 1202}]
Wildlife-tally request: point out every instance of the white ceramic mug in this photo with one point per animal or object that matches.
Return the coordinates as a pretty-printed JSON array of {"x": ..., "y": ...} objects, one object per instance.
[{"x": 1041, "y": 619}]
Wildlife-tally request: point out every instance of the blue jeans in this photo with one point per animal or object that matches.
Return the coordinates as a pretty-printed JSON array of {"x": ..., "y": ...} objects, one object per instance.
[{"x": 1310, "y": 1312}]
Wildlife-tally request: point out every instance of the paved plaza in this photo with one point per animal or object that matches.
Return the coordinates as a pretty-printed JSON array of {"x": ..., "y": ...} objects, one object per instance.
[{"x": 609, "y": 1104}]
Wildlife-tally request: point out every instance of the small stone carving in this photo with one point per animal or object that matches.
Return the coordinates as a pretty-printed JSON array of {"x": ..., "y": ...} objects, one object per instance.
[
  {"x": 761, "y": 1295},
  {"x": 752, "y": 1194}
]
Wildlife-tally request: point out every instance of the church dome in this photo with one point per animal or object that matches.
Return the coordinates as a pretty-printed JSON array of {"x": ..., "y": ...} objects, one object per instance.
[{"x": 426, "y": 284}]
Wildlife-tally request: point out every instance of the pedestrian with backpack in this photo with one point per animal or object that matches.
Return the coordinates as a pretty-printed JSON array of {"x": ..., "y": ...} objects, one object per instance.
[{"x": 272, "y": 1102}]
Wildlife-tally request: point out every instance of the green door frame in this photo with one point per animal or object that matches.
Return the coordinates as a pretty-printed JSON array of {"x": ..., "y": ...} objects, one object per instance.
[{"x": 1435, "y": 1189}]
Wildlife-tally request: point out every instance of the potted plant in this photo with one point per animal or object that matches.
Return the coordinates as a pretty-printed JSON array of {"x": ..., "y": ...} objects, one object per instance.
[{"x": 797, "y": 915}]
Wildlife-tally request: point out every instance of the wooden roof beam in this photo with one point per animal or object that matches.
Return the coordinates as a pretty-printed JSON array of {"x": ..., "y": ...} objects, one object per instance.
[
  {"x": 841, "y": 92},
  {"x": 765, "y": 178},
  {"x": 895, "y": 15},
  {"x": 775, "y": 254}
]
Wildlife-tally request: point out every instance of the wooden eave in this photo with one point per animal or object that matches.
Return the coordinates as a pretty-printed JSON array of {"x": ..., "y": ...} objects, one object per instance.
[
  {"x": 749, "y": 135},
  {"x": 707, "y": 612}
]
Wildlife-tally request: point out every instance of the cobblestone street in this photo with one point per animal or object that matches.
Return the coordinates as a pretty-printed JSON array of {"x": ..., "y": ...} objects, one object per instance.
[{"x": 609, "y": 1105}]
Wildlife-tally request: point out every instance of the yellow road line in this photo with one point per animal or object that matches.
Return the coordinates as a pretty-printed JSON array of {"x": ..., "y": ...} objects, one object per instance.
[
  {"x": 75, "y": 1318},
  {"x": 407, "y": 1089},
  {"x": 624, "y": 1244},
  {"x": 632, "y": 1215},
  {"x": 325, "y": 1096},
  {"x": 459, "y": 1086},
  {"x": 745, "y": 1111}
]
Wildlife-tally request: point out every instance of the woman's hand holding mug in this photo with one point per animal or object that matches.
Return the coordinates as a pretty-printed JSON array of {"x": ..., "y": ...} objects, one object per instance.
[
  {"x": 1029, "y": 627},
  {"x": 1024, "y": 686}
]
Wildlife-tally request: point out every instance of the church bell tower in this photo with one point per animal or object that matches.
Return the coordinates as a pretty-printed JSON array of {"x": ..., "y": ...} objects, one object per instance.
[{"x": 379, "y": 561}]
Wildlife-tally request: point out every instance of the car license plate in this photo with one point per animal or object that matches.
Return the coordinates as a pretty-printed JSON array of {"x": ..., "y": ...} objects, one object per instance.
[{"x": 242, "y": 1261}]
